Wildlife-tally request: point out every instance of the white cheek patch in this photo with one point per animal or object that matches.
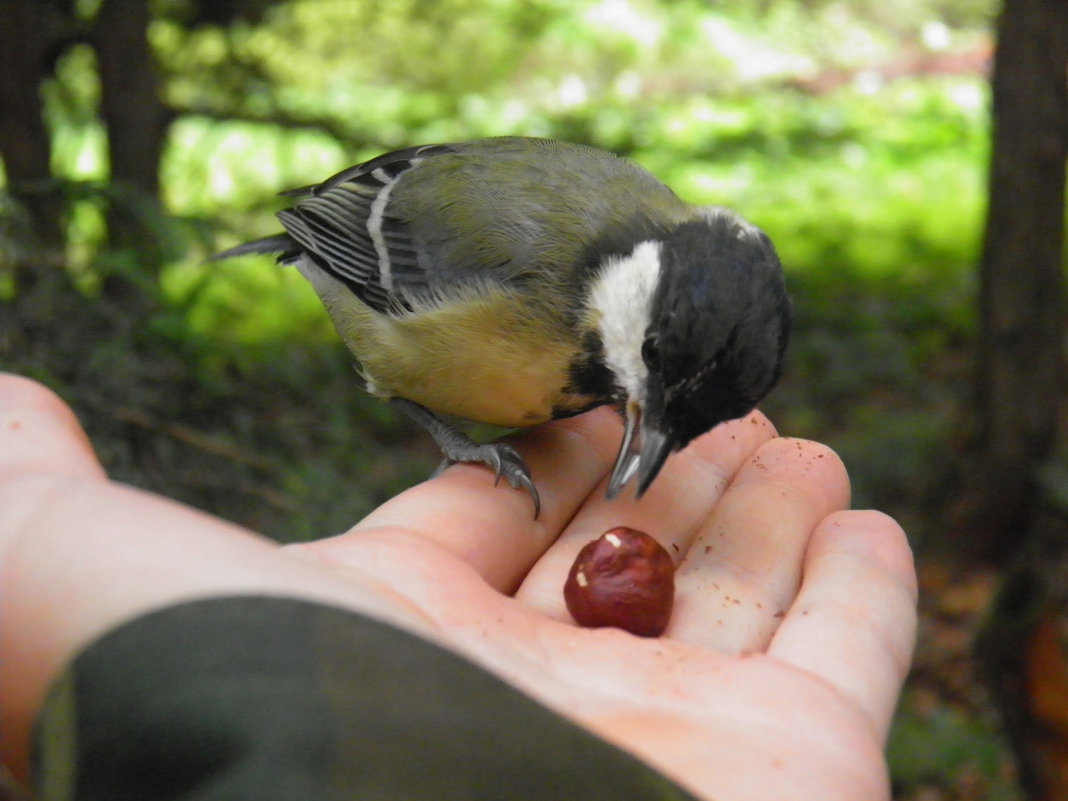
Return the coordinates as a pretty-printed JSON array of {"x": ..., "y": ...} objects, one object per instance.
[{"x": 620, "y": 302}]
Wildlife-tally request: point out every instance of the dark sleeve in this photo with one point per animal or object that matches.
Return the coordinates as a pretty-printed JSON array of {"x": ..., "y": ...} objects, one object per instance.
[{"x": 260, "y": 698}]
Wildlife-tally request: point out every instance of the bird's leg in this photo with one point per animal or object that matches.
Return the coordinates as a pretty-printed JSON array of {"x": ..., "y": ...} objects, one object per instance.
[{"x": 502, "y": 459}]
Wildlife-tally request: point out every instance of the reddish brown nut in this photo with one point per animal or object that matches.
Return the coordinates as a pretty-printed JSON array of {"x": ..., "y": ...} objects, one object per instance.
[{"x": 624, "y": 579}]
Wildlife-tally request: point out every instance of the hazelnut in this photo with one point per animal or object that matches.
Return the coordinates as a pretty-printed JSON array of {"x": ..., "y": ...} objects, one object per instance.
[{"x": 624, "y": 579}]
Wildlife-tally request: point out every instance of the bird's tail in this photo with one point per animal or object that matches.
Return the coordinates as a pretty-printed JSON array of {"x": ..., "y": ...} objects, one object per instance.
[{"x": 280, "y": 243}]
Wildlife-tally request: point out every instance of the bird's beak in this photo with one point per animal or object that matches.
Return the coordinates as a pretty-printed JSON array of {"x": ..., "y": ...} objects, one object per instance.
[{"x": 643, "y": 452}]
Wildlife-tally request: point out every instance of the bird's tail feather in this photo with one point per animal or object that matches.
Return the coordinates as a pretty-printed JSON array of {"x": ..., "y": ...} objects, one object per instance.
[{"x": 280, "y": 243}]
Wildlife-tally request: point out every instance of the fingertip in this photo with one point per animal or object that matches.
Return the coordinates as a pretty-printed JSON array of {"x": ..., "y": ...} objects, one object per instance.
[
  {"x": 746, "y": 433},
  {"x": 874, "y": 537},
  {"x": 39, "y": 433},
  {"x": 597, "y": 431},
  {"x": 569, "y": 459},
  {"x": 759, "y": 419},
  {"x": 17, "y": 391},
  {"x": 811, "y": 469}
]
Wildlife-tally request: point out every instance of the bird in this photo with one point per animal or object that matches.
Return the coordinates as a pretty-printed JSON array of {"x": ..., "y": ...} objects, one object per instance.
[{"x": 515, "y": 280}]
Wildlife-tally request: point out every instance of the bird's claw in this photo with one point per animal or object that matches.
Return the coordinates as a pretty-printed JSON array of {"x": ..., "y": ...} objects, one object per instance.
[
  {"x": 502, "y": 459},
  {"x": 505, "y": 462},
  {"x": 510, "y": 465}
]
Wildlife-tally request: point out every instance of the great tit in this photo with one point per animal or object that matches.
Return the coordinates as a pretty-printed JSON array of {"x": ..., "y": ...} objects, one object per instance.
[{"x": 515, "y": 280}]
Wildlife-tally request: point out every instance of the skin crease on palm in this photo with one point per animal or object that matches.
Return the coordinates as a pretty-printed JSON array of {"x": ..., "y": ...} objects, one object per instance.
[{"x": 777, "y": 677}]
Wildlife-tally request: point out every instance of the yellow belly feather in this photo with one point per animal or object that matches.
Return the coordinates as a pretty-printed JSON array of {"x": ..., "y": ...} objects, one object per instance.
[{"x": 481, "y": 358}]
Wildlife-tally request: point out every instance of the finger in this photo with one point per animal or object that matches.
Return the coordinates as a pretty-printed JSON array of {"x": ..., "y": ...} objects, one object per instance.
[
  {"x": 671, "y": 511},
  {"x": 493, "y": 529},
  {"x": 744, "y": 567},
  {"x": 39, "y": 434},
  {"x": 854, "y": 621}
]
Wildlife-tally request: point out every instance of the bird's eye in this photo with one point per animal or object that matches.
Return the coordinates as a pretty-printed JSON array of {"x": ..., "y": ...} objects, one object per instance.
[{"x": 651, "y": 350}]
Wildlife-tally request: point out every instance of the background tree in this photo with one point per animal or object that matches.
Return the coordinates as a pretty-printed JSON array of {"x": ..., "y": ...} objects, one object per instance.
[
  {"x": 136, "y": 123},
  {"x": 1014, "y": 505},
  {"x": 1020, "y": 377},
  {"x": 30, "y": 36}
]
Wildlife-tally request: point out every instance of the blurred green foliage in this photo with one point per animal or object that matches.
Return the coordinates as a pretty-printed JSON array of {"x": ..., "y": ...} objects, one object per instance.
[
  {"x": 930, "y": 742},
  {"x": 827, "y": 123}
]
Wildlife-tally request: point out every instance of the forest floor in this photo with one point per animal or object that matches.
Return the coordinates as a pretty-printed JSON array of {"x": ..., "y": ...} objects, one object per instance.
[{"x": 946, "y": 739}]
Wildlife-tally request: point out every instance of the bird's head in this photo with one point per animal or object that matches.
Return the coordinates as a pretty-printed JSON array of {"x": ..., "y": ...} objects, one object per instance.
[{"x": 718, "y": 320}]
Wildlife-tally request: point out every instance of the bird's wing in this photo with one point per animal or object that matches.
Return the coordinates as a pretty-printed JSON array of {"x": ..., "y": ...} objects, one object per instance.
[
  {"x": 343, "y": 226},
  {"x": 425, "y": 223}
]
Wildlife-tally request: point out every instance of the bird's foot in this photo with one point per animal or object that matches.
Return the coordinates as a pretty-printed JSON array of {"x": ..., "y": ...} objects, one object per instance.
[{"x": 502, "y": 459}]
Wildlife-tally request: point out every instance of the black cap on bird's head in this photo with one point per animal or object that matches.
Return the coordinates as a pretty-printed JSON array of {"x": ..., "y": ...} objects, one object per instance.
[{"x": 718, "y": 327}]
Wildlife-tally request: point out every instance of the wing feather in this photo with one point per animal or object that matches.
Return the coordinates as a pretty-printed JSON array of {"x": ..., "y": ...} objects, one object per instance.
[
  {"x": 412, "y": 227},
  {"x": 344, "y": 224}
]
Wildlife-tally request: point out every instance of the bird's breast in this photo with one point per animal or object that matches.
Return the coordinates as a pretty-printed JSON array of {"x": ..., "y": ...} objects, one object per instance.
[{"x": 486, "y": 357}]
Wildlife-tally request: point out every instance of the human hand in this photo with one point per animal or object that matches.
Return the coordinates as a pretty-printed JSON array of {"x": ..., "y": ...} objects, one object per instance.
[{"x": 777, "y": 677}]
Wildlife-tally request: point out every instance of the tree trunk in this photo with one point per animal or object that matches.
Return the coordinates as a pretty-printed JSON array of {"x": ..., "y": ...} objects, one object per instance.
[
  {"x": 1022, "y": 652},
  {"x": 29, "y": 35},
  {"x": 1012, "y": 511},
  {"x": 1020, "y": 379},
  {"x": 136, "y": 122},
  {"x": 133, "y": 113}
]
